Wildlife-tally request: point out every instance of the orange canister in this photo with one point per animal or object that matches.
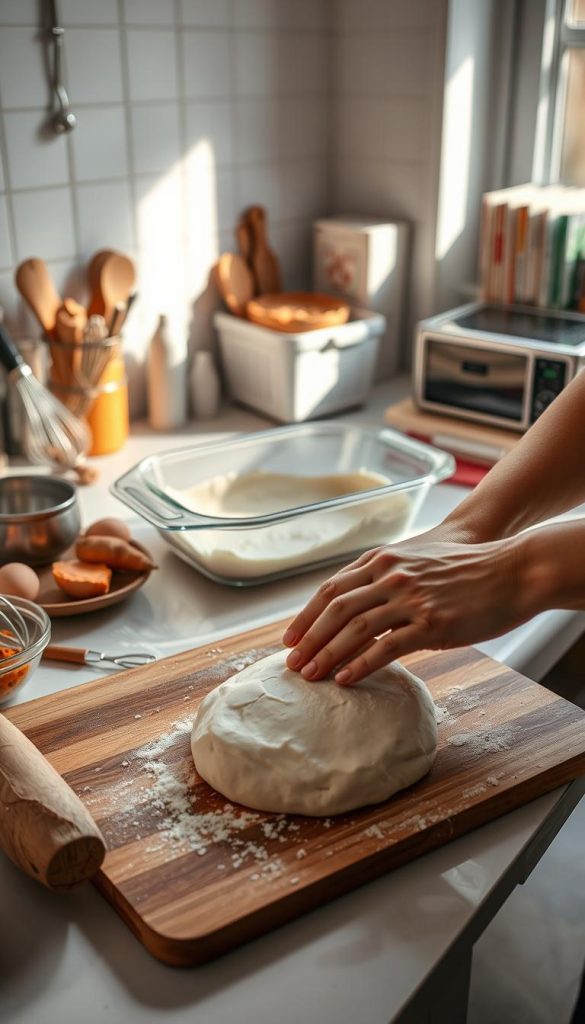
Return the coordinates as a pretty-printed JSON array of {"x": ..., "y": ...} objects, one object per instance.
[{"x": 108, "y": 417}]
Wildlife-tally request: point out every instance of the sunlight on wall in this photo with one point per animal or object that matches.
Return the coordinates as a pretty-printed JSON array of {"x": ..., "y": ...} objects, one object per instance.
[
  {"x": 455, "y": 156},
  {"x": 177, "y": 225}
]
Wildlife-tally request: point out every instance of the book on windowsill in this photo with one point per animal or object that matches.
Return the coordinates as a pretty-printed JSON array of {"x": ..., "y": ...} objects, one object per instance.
[{"x": 476, "y": 448}]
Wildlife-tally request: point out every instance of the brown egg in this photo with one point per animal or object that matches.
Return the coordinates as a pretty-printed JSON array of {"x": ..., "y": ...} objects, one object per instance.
[
  {"x": 19, "y": 580},
  {"x": 108, "y": 528}
]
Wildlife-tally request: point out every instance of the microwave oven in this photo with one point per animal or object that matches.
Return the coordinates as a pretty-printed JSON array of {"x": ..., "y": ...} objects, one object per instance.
[{"x": 501, "y": 365}]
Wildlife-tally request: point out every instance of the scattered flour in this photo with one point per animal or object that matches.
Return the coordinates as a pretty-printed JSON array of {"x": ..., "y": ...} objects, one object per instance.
[{"x": 489, "y": 740}]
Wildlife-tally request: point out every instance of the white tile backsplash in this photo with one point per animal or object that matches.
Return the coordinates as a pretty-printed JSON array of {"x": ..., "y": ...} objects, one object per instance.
[
  {"x": 99, "y": 144},
  {"x": 205, "y": 13},
  {"x": 149, "y": 12},
  {"x": 152, "y": 69},
  {"x": 384, "y": 64},
  {"x": 156, "y": 143},
  {"x": 209, "y": 125},
  {"x": 23, "y": 82},
  {"x": 19, "y": 12},
  {"x": 92, "y": 59},
  {"x": 6, "y": 254},
  {"x": 43, "y": 222},
  {"x": 206, "y": 64},
  {"x": 255, "y": 13},
  {"x": 386, "y": 15},
  {"x": 105, "y": 217},
  {"x": 256, "y": 64},
  {"x": 35, "y": 157},
  {"x": 257, "y": 129},
  {"x": 189, "y": 111},
  {"x": 87, "y": 12}
]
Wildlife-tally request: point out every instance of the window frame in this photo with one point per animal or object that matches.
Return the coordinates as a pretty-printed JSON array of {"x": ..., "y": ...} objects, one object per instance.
[{"x": 559, "y": 36}]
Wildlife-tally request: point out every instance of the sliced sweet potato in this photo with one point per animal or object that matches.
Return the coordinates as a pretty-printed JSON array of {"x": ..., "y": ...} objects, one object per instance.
[
  {"x": 80, "y": 579},
  {"x": 115, "y": 552}
]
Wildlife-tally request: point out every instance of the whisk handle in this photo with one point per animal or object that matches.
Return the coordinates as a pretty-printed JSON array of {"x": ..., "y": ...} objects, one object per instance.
[{"x": 10, "y": 357}]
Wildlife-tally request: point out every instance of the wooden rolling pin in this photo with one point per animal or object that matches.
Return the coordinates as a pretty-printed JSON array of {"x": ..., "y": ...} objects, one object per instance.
[{"x": 44, "y": 827}]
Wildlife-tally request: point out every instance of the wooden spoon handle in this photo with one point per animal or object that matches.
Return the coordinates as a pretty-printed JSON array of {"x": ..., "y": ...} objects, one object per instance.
[
  {"x": 75, "y": 655},
  {"x": 44, "y": 827}
]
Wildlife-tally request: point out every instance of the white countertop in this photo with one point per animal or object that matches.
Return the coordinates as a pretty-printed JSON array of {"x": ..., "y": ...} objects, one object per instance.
[{"x": 362, "y": 958}]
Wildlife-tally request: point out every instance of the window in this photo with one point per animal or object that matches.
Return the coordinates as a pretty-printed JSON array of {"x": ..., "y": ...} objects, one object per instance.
[{"x": 560, "y": 144}]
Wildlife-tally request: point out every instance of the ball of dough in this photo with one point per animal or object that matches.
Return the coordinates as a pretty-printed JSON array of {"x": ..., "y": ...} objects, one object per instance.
[{"x": 269, "y": 740}]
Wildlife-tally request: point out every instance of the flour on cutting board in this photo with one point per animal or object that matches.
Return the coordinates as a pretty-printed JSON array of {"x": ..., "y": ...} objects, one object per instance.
[
  {"x": 162, "y": 789},
  {"x": 249, "y": 553}
]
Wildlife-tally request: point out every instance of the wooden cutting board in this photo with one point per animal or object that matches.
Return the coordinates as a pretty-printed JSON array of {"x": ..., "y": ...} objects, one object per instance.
[{"x": 193, "y": 876}]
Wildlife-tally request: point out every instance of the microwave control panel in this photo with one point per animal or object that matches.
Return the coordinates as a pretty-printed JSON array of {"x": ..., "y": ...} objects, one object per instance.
[{"x": 550, "y": 377}]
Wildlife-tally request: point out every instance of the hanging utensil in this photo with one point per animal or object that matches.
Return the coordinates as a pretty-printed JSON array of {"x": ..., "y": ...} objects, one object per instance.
[
  {"x": 85, "y": 656},
  {"x": 63, "y": 120}
]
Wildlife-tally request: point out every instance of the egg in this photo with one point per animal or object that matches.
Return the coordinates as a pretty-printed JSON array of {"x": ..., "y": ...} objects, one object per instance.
[
  {"x": 108, "y": 528},
  {"x": 19, "y": 580}
]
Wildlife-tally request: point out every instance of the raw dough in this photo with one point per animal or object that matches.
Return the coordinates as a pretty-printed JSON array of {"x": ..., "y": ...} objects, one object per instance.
[
  {"x": 301, "y": 540},
  {"x": 269, "y": 740}
]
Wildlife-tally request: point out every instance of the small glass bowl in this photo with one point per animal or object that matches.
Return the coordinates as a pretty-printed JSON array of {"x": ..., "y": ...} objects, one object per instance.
[{"x": 17, "y": 668}]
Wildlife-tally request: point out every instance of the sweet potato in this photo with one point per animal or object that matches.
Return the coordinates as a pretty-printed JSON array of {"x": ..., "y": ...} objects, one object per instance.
[
  {"x": 115, "y": 552},
  {"x": 79, "y": 579}
]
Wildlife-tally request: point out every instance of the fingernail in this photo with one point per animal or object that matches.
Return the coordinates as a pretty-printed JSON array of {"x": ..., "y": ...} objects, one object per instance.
[
  {"x": 309, "y": 670},
  {"x": 289, "y": 638},
  {"x": 294, "y": 659},
  {"x": 344, "y": 676}
]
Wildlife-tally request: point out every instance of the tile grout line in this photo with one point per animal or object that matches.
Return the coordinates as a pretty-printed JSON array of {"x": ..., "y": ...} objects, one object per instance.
[
  {"x": 180, "y": 80},
  {"x": 10, "y": 214},
  {"x": 72, "y": 183},
  {"x": 125, "y": 69}
]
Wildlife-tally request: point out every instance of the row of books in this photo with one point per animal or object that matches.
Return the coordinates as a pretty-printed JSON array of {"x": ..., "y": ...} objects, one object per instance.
[{"x": 532, "y": 246}]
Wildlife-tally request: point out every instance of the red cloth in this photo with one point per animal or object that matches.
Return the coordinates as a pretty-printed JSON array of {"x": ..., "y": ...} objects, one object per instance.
[{"x": 467, "y": 474}]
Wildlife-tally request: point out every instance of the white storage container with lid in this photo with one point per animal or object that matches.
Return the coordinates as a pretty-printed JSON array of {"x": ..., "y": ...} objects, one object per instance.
[{"x": 297, "y": 377}]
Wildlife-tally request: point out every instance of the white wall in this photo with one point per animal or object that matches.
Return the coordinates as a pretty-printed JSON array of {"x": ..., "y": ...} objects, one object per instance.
[
  {"x": 188, "y": 111},
  {"x": 388, "y": 91}
]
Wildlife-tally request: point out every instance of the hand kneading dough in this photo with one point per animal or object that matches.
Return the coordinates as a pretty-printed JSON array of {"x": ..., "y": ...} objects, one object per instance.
[{"x": 269, "y": 740}]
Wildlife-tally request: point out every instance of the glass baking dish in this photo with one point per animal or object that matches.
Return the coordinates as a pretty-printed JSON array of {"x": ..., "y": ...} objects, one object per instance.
[{"x": 271, "y": 504}]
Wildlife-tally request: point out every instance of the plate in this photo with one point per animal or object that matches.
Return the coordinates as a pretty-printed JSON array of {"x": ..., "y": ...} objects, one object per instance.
[{"x": 58, "y": 605}]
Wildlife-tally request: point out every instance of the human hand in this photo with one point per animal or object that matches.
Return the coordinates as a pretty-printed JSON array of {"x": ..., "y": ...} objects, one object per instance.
[{"x": 425, "y": 593}]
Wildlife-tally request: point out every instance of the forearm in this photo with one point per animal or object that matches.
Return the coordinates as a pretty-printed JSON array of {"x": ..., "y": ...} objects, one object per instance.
[
  {"x": 552, "y": 566},
  {"x": 541, "y": 477}
]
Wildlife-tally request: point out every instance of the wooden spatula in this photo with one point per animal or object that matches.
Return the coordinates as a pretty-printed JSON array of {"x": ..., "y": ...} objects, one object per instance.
[
  {"x": 235, "y": 282},
  {"x": 264, "y": 262},
  {"x": 37, "y": 289}
]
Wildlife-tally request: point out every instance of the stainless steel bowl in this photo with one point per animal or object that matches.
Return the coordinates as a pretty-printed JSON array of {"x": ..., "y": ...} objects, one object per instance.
[{"x": 39, "y": 518}]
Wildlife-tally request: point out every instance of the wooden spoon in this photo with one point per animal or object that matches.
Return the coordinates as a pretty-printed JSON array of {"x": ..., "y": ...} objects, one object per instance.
[
  {"x": 96, "y": 302},
  {"x": 235, "y": 282},
  {"x": 37, "y": 289},
  {"x": 264, "y": 262},
  {"x": 117, "y": 277}
]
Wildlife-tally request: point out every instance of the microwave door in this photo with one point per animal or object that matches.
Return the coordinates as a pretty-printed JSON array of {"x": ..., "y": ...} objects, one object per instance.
[{"x": 483, "y": 381}]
